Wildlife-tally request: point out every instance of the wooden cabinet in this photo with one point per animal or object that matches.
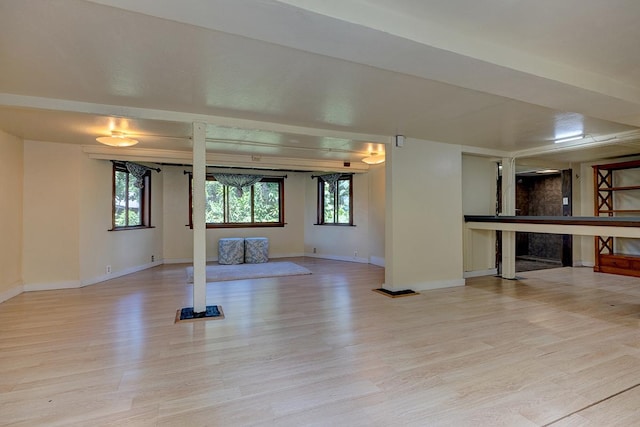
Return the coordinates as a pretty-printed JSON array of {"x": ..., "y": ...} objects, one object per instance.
[{"x": 617, "y": 193}]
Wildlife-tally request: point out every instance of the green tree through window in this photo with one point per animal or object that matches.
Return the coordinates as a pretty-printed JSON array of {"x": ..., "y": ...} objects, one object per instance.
[
  {"x": 130, "y": 203},
  {"x": 260, "y": 205},
  {"x": 335, "y": 207}
]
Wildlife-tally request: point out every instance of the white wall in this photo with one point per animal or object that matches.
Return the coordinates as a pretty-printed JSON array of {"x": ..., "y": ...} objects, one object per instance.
[
  {"x": 583, "y": 246},
  {"x": 408, "y": 216},
  {"x": 479, "y": 185},
  {"x": 299, "y": 236},
  {"x": 11, "y": 194},
  {"x": 377, "y": 193},
  {"x": 339, "y": 242},
  {"x": 126, "y": 250},
  {"x": 51, "y": 214},
  {"x": 424, "y": 216},
  {"x": 178, "y": 237},
  {"x": 67, "y": 215}
]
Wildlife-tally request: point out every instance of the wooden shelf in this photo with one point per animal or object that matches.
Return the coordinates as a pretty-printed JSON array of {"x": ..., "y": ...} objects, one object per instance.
[
  {"x": 607, "y": 261},
  {"x": 627, "y": 265},
  {"x": 630, "y": 187},
  {"x": 617, "y": 166}
]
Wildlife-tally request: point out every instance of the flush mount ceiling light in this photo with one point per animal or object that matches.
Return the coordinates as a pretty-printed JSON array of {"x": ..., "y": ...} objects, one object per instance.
[
  {"x": 569, "y": 138},
  {"x": 117, "y": 139},
  {"x": 374, "y": 159}
]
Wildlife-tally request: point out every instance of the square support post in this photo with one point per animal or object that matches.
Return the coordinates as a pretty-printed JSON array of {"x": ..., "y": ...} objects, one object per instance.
[
  {"x": 508, "y": 209},
  {"x": 199, "y": 221}
]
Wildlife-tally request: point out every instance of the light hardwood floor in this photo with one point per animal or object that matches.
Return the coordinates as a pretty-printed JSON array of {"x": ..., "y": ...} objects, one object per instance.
[{"x": 325, "y": 350}]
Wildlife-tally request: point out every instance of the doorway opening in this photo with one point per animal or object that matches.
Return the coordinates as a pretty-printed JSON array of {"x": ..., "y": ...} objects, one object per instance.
[{"x": 540, "y": 193}]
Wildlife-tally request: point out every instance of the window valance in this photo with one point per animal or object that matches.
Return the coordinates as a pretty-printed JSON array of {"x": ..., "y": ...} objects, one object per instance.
[
  {"x": 237, "y": 181},
  {"x": 332, "y": 180},
  {"x": 137, "y": 170}
]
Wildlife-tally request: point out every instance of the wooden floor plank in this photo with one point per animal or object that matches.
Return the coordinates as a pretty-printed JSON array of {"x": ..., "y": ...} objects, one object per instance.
[{"x": 322, "y": 349}]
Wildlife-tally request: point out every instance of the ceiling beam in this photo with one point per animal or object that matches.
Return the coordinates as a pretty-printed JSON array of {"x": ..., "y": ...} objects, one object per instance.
[
  {"x": 366, "y": 32},
  {"x": 227, "y": 160},
  {"x": 23, "y": 101}
]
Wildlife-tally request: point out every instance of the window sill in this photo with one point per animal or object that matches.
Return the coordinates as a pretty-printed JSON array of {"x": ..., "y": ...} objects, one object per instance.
[
  {"x": 337, "y": 225},
  {"x": 137, "y": 227},
  {"x": 264, "y": 225}
]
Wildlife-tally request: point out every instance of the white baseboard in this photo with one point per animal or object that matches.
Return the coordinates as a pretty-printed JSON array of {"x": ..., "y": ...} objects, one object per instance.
[
  {"x": 15, "y": 290},
  {"x": 376, "y": 260},
  {"x": 480, "y": 273},
  {"x": 73, "y": 284},
  {"x": 185, "y": 260},
  {"x": 439, "y": 284},
  {"x": 583, "y": 264},
  {"x": 52, "y": 286},
  {"x": 339, "y": 258},
  {"x": 296, "y": 255},
  {"x": 116, "y": 274}
]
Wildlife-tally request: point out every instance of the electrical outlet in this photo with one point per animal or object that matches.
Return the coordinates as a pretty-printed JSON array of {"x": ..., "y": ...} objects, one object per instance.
[
  {"x": 153, "y": 258},
  {"x": 108, "y": 269},
  {"x": 314, "y": 250},
  {"x": 355, "y": 253}
]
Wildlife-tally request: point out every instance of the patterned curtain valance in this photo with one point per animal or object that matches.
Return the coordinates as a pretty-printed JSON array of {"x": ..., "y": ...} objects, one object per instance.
[
  {"x": 332, "y": 180},
  {"x": 138, "y": 171},
  {"x": 237, "y": 181}
]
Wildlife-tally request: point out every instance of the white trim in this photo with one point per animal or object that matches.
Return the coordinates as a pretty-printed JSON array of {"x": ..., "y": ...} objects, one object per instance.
[
  {"x": 16, "y": 289},
  {"x": 339, "y": 258},
  {"x": 479, "y": 273},
  {"x": 186, "y": 260},
  {"x": 299, "y": 254},
  {"x": 181, "y": 260},
  {"x": 51, "y": 286},
  {"x": 154, "y": 155},
  {"x": 114, "y": 275},
  {"x": 590, "y": 264},
  {"x": 376, "y": 260},
  {"x": 74, "y": 284}
]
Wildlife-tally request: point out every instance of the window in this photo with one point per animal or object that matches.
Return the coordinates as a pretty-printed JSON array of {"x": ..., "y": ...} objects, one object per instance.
[
  {"x": 130, "y": 202},
  {"x": 335, "y": 207},
  {"x": 261, "y": 205}
]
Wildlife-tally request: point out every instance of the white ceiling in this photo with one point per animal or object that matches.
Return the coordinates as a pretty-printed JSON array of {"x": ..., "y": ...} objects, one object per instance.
[{"x": 324, "y": 79}]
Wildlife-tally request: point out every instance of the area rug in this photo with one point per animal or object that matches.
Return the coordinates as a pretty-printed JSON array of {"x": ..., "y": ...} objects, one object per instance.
[{"x": 219, "y": 273}]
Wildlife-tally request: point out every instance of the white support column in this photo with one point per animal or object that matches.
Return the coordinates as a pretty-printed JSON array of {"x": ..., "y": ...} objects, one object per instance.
[
  {"x": 199, "y": 222},
  {"x": 508, "y": 209}
]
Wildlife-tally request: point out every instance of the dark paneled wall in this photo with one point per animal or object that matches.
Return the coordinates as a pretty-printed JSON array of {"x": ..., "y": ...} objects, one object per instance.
[{"x": 539, "y": 195}]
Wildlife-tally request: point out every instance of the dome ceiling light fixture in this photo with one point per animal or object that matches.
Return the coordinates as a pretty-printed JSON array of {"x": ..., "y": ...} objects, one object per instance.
[
  {"x": 117, "y": 139},
  {"x": 374, "y": 159}
]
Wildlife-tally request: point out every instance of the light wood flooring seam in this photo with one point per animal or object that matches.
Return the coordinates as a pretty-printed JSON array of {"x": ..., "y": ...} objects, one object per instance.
[{"x": 592, "y": 405}]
